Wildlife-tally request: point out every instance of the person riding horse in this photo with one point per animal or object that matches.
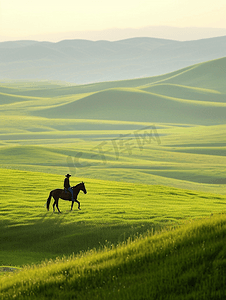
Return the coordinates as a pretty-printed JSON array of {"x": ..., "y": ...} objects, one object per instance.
[
  {"x": 67, "y": 186},
  {"x": 63, "y": 194}
]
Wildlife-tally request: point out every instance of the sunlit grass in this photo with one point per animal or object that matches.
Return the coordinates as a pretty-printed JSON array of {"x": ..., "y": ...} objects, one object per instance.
[
  {"x": 152, "y": 225},
  {"x": 111, "y": 211},
  {"x": 187, "y": 157},
  {"x": 188, "y": 262},
  {"x": 190, "y": 156}
]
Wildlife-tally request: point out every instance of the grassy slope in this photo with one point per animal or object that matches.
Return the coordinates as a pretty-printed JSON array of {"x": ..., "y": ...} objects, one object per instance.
[
  {"x": 111, "y": 211},
  {"x": 194, "y": 95},
  {"x": 138, "y": 100},
  {"x": 191, "y": 157},
  {"x": 186, "y": 263},
  {"x": 208, "y": 75},
  {"x": 136, "y": 105},
  {"x": 205, "y": 75}
]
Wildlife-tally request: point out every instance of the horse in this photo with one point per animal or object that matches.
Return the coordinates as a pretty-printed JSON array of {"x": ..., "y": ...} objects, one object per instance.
[{"x": 65, "y": 195}]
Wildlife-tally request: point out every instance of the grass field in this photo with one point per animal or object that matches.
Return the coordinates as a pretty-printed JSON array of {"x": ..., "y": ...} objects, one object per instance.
[
  {"x": 169, "y": 130},
  {"x": 151, "y": 152},
  {"x": 111, "y": 211},
  {"x": 115, "y": 217},
  {"x": 187, "y": 263},
  {"x": 185, "y": 157}
]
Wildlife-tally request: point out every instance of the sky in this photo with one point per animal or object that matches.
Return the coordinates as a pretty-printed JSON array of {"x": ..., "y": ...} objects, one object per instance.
[{"x": 55, "y": 20}]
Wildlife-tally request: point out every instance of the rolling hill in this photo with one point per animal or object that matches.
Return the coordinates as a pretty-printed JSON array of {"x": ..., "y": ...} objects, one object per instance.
[
  {"x": 133, "y": 241},
  {"x": 167, "y": 129},
  {"x": 139, "y": 106},
  {"x": 152, "y": 154},
  {"x": 179, "y": 264},
  {"x": 83, "y": 61},
  {"x": 200, "y": 100}
]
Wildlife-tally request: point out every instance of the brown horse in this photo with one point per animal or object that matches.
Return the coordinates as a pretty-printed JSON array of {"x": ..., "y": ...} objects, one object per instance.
[{"x": 65, "y": 195}]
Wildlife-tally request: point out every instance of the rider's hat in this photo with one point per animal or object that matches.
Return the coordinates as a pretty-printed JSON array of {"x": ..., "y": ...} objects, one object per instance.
[{"x": 68, "y": 175}]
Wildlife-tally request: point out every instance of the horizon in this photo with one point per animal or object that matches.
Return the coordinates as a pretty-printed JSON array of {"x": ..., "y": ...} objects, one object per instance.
[
  {"x": 117, "y": 34},
  {"x": 113, "y": 20}
]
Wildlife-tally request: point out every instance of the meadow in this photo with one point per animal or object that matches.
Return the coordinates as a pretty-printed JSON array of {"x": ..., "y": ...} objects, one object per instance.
[
  {"x": 151, "y": 152},
  {"x": 110, "y": 211},
  {"x": 123, "y": 244}
]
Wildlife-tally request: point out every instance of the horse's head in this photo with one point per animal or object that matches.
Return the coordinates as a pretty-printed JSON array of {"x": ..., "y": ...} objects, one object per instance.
[
  {"x": 83, "y": 188},
  {"x": 79, "y": 187}
]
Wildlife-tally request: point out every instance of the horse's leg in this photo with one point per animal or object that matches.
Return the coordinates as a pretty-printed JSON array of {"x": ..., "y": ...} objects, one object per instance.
[
  {"x": 57, "y": 200},
  {"x": 78, "y": 204},
  {"x": 72, "y": 203},
  {"x": 54, "y": 205}
]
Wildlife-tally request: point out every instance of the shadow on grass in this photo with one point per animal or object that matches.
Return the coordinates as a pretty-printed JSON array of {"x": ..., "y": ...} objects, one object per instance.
[{"x": 51, "y": 237}]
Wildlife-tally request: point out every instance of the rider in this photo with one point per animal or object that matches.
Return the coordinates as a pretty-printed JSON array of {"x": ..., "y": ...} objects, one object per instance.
[{"x": 67, "y": 186}]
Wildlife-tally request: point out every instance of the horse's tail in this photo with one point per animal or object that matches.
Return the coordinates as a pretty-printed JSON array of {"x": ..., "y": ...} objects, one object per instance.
[{"x": 48, "y": 200}]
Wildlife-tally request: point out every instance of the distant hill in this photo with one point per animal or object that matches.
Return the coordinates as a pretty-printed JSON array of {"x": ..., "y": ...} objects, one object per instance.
[
  {"x": 194, "y": 95},
  {"x": 132, "y": 105},
  {"x": 46, "y": 126},
  {"x": 83, "y": 61}
]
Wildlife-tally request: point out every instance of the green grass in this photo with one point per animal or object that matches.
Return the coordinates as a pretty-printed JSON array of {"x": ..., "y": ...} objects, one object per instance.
[
  {"x": 186, "y": 263},
  {"x": 111, "y": 211},
  {"x": 151, "y": 152},
  {"x": 186, "y": 157},
  {"x": 48, "y": 124},
  {"x": 104, "y": 250}
]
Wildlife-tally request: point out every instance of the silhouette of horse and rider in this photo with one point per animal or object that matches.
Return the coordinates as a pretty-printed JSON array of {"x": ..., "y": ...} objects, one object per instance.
[{"x": 68, "y": 193}]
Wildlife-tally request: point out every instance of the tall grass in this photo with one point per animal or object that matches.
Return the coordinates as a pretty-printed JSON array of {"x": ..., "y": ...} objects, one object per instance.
[{"x": 184, "y": 263}]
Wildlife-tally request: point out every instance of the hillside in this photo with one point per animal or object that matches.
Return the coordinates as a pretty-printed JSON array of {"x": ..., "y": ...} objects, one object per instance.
[
  {"x": 186, "y": 263},
  {"x": 195, "y": 95},
  {"x": 152, "y": 154},
  {"x": 83, "y": 61},
  {"x": 138, "y": 106},
  {"x": 105, "y": 248},
  {"x": 110, "y": 212},
  {"x": 167, "y": 129}
]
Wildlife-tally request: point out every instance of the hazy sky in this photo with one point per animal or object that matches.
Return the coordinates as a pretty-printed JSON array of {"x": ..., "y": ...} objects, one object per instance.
[{"x": 21, "y": 19}]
